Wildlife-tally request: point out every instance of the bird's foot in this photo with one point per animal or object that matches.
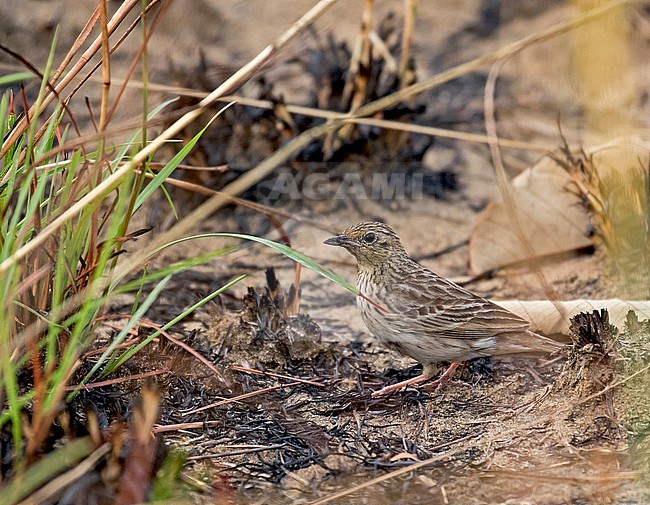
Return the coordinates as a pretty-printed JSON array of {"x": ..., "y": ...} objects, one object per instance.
[
  {"x": 400, "y": 385},
  {"x": 438, "y": 384},
  {"x": 445, "y": 379}
]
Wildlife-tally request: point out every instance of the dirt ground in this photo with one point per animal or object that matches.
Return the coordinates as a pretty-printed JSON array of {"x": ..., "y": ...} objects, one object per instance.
[{"x": 524, "y": 431}]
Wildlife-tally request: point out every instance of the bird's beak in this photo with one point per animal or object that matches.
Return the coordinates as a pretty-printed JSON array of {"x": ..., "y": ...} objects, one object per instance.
[{"x": 339, "y": 240}]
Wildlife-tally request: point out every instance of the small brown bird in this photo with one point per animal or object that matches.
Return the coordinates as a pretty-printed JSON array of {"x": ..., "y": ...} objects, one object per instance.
[{"x": 425, "y": 316}]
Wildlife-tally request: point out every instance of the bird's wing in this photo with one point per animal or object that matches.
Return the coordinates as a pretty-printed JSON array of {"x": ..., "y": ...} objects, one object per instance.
[{"x": 435, "y": 304}]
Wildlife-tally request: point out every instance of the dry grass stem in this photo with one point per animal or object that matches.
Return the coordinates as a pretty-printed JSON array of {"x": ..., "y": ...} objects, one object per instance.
[
  {"x": 115, "y": 21},
  {"x": 111, "y": 181},
  {"x": 106, "y": 65},
  {"x": 328, "y": 114},
  {"x": 507, "y": 51},
  {"x": 504, "y": 184},
  {"x": 389, "y": 475},
  {"x": 61, "y": 482}
]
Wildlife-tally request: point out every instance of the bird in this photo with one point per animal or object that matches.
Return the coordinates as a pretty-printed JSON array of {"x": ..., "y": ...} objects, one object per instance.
[{"x": 420, "y": 314}]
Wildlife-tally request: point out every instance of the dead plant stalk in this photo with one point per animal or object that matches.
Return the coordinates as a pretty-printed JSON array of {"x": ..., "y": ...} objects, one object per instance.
[
  {"x": 115, "y": 21},
  {"x": 270, "y": 163},
  {"x": 108, "y": 184}
]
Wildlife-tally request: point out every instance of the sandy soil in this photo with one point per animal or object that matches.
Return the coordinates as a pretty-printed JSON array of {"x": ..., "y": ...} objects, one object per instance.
[{"x": 524, "y": 432}]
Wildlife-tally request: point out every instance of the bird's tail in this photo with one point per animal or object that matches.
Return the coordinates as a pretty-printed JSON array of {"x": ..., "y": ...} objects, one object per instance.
[{"x": 527, "y": 342}]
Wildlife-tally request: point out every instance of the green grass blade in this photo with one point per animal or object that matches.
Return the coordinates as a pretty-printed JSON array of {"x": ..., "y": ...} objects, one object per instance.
[
  {"x": 46, "y": 469},
  {"x": 4, "y": 118},
  {"x": 290, "y": 253},
  {"x": 7, "y": 80},
  {"x": 175, "y": 268},
  {"x": 130, "y": 352},
  {"x": 120, "y": 153},
  {"x": 162, "y": 175},
  {"x": 153, "y": 296},
  {"x": 167, "y": 478}
]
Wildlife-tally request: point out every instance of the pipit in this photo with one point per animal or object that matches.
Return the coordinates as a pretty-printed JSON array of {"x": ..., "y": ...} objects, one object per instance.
[{"x": 420, "y": 314}]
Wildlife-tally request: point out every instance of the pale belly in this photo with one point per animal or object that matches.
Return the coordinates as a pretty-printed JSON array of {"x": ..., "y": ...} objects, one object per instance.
[{"x": 396, "y": 332}]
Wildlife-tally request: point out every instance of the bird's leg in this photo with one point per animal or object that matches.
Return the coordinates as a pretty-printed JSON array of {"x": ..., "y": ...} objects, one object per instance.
[
  {"x": 428, "y": 372},
  {"x": 445, "y": 378}
]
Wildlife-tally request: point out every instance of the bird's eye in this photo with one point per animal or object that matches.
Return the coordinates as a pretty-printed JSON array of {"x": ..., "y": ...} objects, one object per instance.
[{"x": 369, "y": 237}]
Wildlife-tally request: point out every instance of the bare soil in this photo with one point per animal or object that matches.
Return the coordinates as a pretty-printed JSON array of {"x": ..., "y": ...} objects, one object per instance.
[{"x": 524, "y": 431}]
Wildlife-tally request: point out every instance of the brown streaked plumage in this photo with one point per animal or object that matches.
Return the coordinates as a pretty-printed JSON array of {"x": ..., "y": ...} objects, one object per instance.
[{"x": 426, "y": 316}]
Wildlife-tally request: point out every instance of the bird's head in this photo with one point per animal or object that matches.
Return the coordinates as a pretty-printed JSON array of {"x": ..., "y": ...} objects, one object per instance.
[{"x": 371, "y": 243}]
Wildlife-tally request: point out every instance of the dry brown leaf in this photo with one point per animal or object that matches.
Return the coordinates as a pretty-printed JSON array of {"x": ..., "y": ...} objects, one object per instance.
[
  {"x": 553, "y": 318},
  {"x": 552, "y": 221},
  {"x": 550, "y": 218}
]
